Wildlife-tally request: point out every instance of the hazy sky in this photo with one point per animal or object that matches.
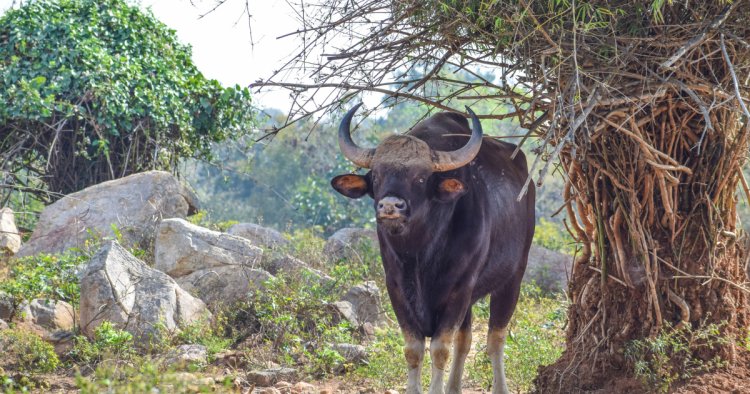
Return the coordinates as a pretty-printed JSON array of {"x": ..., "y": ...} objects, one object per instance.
[{"x": 221, "y": 42}]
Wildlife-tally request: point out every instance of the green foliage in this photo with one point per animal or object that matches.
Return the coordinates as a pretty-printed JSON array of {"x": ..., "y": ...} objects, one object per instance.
[
  {"x": 44, "y": 276},
  {"x": 289, "y": 318},
  {"x": 29, "y": 352},
  {"x": 553, "y": 236},
  {"x": 673, "y": 355},
  {"x": 536, "y": 338},
  {"x": 108, "y": 341},
  {"x": 105, "y": 90},
  {"x": 206, "y": 333}
]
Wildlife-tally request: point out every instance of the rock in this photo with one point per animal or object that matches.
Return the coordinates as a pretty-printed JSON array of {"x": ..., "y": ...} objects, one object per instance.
[
  {"x": 10, "y": 238},
  {"x": 3, "y": 325},
  {"x": 365, "y": 300},
  {"x": 289, "y": 265},
  {"x": 304, "y": 388},
  {"x": 354, "y": 354},
  {"x": 269, "y": 377},
  {"x": 391, "y": 392},
  {"x": 185, "y": 355},
  {"x": 6, "y": 306},
  {"x": 548, "y": 269},
  {"x": 345, "y": 311},
  {"x": 223, "y": 285},
  {"x": 119, "y": 288},
  {"x": 134, "y": 205},
  {"x": 260, "y": 236},
  {"x": 194, "y": 382},
  {"x": 268, "y": 390},
  {"x": 63, "y": 341},
  {"x": 183, "y": 248},
  {"x": 216, "y": 267},
  {"x": 349, "y": 243},
  {"x": 51, "y": 315}
]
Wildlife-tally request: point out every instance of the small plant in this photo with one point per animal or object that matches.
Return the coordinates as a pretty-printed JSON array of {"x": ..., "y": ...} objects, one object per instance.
[
  {"x": 671, "y": 356},
  {"x": 47, "y": 276},
  {"x": 30, "y": 352},
  {"x": 108, "y": 341},
  {"x": 203, "y": 332}
]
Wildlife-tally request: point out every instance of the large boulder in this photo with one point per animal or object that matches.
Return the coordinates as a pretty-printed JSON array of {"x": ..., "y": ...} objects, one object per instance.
[
  {"x": 48, "y": 314},
  {"x": 350, "y": 243},
  {"x": 118, "y": 287},
  {"x": 10, "y": 238},
  {"x": 214, "y": 266},
  {"x": 548, "y": 269},
  {"x": 260, "y": 236},
  {"x": 133, "y": 205}
]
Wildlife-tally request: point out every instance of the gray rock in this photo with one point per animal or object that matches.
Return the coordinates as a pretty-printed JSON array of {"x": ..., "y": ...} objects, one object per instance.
[
  {"x": 365, "y": 299},
  {"x": 260, "y": 236},
  {"x": 3, "y": 325},
  {"x": 119, "y": 288},
  {"x": 269, "y": 377},
  {"x": 6, "y": 306},
  {"x": 183, "y": 248},
  {"x": 345, "y": 310},
  {"x": 223, "y": 285},
  {"x": 134, "y": 204},
  {"x": 355, "y": 354},
  {"x": 548, "y": 269},
  {"x": 51, "y": 315},
  {"x": 185, "y": 355},
  {"x": 349, "y": 243},
  {"x": 288, "y": 265},
  {"x": 10, "y": 238}
]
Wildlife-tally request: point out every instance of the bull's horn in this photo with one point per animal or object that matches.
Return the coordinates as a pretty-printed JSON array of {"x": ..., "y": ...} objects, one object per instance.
[
  {"x": 359, "y": 156},
  {"x": 446, "y": 161}
]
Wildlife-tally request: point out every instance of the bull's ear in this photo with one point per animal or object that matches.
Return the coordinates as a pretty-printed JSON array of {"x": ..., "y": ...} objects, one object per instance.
[
  {"x": 351, "y": 185},
  {"x": 450, "y": 189}
]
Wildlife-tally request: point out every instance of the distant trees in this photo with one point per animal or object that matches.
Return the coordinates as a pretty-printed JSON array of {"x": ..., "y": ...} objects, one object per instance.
[{"x": 95, "y": 90}]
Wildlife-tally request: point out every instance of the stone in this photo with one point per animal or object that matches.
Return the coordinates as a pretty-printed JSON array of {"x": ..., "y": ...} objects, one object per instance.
[
  {"x": 222, "y": 286},
  {"x": 260, "y": 236},
  {"x": 10, "y": 238},
  {"x": 304, "y": 388},
  {"x": 3, "y": 325},
  {"x": 345, "y": 310},
  {"x": 548, "y": 269},
  {"x": 355, "y": 354},
  {"x": 6, "y": 306},
  {"x": 134, "y": 205},
  {"x": 289, "y": 265},
  {"x": 267, "y": 390},
  {"x": 51, "y": 315},
  {"x": 183, "y": 248},
  {"x": 365, "y": 300},
  {"x": 269, "y": 377},
  {"x": 63, "y": 341},
  {"x": 118, "y": 287},
  {"x": 349, "y": 243},
  {"x": 185, "y": 355}
]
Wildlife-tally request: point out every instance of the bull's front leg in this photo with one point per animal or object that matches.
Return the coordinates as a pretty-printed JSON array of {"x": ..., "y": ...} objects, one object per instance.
[
  {"x": 414, "y": 353},
  {"x": 440, "y": 347}
]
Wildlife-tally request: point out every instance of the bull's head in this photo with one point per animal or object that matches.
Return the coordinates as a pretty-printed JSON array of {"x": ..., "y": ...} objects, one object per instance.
[{"x": 405, "y": 177}]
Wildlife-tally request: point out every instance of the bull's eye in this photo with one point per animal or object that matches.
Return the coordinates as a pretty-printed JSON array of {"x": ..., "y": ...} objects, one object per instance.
[{"x": 420, "y": 180}]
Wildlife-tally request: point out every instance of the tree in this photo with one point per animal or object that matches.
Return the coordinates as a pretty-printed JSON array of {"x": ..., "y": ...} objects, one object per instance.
[
  {"x": 642, "y": 104},
  {"x": 96, "y": 90}
]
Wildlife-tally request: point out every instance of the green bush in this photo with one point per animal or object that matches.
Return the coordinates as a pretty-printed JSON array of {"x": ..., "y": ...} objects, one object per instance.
[
  {"x": 44, "y": 276},
  {"x": 553, "y": 236},
  {"x": 29, "y": 352},
  {"x": 108, "y": 341},
  {"x": 671, "y": 356}
]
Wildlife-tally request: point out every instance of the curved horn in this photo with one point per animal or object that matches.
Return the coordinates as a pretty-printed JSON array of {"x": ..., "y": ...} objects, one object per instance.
[
  {"x": 446, "y": 161},
  {"x": 359, "y": 156}
]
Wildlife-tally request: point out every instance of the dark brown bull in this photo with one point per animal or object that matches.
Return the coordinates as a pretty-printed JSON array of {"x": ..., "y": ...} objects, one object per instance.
[{"x": 451, "y": 232}]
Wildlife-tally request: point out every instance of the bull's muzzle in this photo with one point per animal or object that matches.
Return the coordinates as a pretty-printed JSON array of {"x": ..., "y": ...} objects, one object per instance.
[{"x": 391, "y": 208}]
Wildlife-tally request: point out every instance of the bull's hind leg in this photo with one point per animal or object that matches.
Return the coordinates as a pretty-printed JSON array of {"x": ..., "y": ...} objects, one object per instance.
[
  {"x": 461, "y": 347},
  {"x": 414, "y": 353},
  {"x": 502, "y": 306}
]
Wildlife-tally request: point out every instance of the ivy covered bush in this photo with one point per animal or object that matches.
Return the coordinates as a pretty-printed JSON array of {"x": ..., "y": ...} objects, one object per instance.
[{"x": 95, "y": 90}]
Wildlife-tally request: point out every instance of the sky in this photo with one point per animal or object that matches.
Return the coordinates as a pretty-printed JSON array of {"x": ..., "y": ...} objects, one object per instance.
[{"x": 221, "y": 41}]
